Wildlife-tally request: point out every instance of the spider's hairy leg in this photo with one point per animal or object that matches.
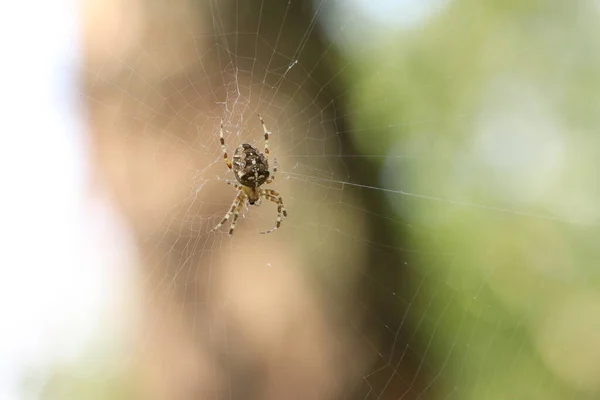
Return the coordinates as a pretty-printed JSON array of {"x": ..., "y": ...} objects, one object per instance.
[
  {"x": 275, "y": 197},
  {"x": 223, "y": 148},
  {"x": 236, "y": 213},
  {"x": 267, "y": 133},
  {"x": 233, "y": 210},
  {"x": 272, "y": 178}
]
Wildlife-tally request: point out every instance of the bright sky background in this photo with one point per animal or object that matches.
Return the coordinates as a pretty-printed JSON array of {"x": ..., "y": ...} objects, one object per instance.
[
  {"x": 55, "y": 263},
  {"x": 356, "y": 25},
  {"x": 398, "y": 13}
]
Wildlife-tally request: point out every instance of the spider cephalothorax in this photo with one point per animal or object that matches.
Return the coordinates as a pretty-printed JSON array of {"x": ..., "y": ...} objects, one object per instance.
[{"x": 251, "y": 170}]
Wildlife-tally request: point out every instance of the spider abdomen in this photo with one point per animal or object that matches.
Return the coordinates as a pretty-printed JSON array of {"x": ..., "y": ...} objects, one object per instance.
[{"x": 250, "y": 166}]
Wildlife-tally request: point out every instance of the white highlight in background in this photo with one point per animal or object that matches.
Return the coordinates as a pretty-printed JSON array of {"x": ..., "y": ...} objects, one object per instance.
[
  {"x": 358, "y": 25},
  {"x": 398, "y": 13},
  {"x": 56, "y": 277}
]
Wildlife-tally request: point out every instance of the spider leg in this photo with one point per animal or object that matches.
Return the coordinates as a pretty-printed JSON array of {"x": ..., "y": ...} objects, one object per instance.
[
  {"x": 234, "y": 206},
  {"x": 267, "y": 133},
  {"x": 275, "y": 197},
  {"x": 236, "y": 212},
  {"x": 223, "y": 148},
  {"x": 272, "y": 177}
]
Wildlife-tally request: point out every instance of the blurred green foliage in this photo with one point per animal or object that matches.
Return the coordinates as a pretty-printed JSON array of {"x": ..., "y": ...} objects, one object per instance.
[{"x": 489, "y": 109}]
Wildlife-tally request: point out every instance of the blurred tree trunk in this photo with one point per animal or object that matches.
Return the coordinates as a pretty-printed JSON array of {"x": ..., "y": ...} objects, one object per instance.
[{"x": 330, "y": 91}]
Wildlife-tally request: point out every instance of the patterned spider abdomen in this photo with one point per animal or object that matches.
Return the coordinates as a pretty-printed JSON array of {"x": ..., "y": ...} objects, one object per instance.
[{"x": 250, "y": 166}]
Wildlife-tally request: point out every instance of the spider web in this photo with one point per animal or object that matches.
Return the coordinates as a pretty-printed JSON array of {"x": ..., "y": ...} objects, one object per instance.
[{"x": 382, "y": 283}]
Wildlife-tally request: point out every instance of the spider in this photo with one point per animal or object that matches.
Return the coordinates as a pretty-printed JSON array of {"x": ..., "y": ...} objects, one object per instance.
[{"x": 251, "y": 169}]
